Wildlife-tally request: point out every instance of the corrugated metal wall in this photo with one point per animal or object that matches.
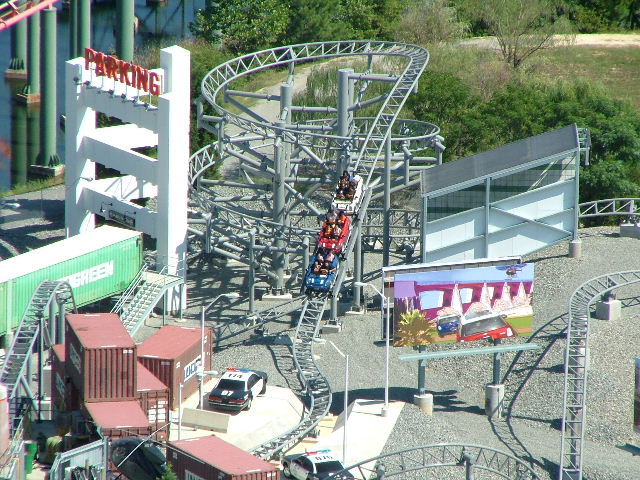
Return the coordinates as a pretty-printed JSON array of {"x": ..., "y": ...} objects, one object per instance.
[{"x": 93, "y": 276}]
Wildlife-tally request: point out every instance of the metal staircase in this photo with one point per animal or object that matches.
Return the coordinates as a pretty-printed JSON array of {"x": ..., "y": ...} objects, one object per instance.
[
  {"x": 15, "y": 371},
  {"x": 317, "y": 386},
  {"x": 142, "y": 295}
]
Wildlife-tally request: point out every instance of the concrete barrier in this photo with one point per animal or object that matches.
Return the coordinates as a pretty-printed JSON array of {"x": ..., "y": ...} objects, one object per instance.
[{"x": 205, "y": 419}]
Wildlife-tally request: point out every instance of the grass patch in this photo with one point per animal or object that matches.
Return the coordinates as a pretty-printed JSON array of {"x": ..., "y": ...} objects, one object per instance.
[
  {"x": 617, "y": 68},
  {"x": 33, "y": 186}
]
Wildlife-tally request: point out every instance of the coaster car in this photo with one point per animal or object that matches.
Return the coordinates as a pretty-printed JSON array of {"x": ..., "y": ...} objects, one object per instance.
[
  {"x": 349, "y": 199},
  {"x": 321, "y": 281},
  {"x": 338, "y": 243}
]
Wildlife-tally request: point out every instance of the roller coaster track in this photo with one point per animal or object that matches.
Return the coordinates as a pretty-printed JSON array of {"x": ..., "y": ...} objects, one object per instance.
[
  {"x": 13, "y": 11},
  {"x": 232, "y": 222},
  {"x": 15, "y": 373},
  {"x": 316, "y": 385},
  {"x": 575, "y": 368},
  {"x": 612, "y": 206},
  {"x": 465, "y": 456}
]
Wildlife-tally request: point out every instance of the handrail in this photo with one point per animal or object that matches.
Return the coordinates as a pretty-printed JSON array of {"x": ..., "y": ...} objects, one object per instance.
[{"x": 130, "y": 291}]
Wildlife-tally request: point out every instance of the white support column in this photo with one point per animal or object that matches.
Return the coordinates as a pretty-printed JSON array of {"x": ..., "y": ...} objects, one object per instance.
[
  {"x": 80, "y": 121},
  {"x": 173, "y": 160}
]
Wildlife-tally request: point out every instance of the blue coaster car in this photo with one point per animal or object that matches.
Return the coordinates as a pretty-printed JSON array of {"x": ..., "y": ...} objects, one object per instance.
[{"x": 321, "y": 281}]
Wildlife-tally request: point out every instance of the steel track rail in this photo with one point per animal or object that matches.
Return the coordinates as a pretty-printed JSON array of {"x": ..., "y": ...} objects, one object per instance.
[
  {"x": 575, "y": 368},
  {"x": 442, "y": 455},
  {"x": 611, "y": 206},
  {"x": 31, "y": 330},
  {"x": 316, "y": 385}
]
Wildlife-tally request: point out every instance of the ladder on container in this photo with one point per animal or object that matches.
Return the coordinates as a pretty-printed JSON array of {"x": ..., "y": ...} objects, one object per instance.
[
  {"x": 15, "y": 369},
  {"x": 142, "y": 295}
]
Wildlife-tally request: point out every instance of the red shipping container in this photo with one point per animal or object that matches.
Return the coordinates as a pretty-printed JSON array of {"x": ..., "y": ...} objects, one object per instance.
[
  {"x": 172, "y": 354},
  {"x": 154, "y": 400},
  {"x": 118, "y": 419},
  {"x": 209, "y": 457},
  {"x": 101, "y": 357}
]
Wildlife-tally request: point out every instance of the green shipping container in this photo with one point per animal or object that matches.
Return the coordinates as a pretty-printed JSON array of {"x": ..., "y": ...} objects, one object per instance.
[{"x": 97, "y": 264}]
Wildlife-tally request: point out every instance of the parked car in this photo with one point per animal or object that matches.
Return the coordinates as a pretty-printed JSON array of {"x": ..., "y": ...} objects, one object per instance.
[
  {"x": 320, "y": 282},
  {"x": 336, "y": 244},
  {"x": 349, "y": 205},
  {"x": 483, "y": 324},
  {"x": 237, "y": 388},
  {"x": 312, "y": 466},
  {"x": 448, "y": 324}
]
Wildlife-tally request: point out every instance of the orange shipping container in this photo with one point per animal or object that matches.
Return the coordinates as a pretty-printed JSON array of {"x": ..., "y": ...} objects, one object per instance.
[
  {"x": 213, "y": 458},
  {"x": 172, "y": 354},
  {"x": 101, "y": 357}
]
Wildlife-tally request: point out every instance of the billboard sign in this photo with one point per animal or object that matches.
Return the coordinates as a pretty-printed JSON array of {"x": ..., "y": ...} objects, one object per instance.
[{"x": 468, "y": 302}]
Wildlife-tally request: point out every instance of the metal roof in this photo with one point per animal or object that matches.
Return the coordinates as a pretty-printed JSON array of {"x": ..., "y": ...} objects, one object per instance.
[
  {"x": 222, "y": 455},
  {"x": 170, "y": 342},
  {"x": 481, "y": 165},
  {"x": 117, "y": 414},
  {"x": 147, "y": 381},
  {"x": 100, "y": 330}
]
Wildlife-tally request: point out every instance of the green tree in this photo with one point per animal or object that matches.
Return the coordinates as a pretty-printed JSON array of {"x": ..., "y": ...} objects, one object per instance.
[
  {"x": 424, "y": 22},
  {"x": 243, "y": 25},
  {"x": 371, "y": 19},
  {"x": 315, "y": 21},
  {"x": 521, "y": 27},
  {"x": 168, "y": 473}
]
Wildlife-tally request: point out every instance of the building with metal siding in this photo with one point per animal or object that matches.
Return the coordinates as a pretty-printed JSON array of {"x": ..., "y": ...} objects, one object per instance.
[{"x": 96, "y": 264}]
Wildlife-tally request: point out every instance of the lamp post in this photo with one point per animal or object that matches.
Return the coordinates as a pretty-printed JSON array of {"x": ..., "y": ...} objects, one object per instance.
[
  {"x": 385, "y": 303},
  {"x": 201, "y": 371},
  {"x": 180, "y": 412},
  {"x": 346, "y": 401}
]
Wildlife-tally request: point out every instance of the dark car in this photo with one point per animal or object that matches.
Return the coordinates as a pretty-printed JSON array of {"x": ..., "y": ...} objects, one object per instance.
[
  {"x": 313, "y": 466},
  {"x": 237, "y": 388}
]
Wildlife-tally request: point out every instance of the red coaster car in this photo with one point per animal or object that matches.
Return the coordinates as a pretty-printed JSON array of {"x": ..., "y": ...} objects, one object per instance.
[{"x": 334, "y": 239}]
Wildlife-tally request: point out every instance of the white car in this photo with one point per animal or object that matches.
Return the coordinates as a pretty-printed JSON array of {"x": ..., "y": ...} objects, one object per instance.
[
  {"x": 350, "y": 205},
  {"x": 312, "y": 466},
  {"x": 237, "y": 388}
]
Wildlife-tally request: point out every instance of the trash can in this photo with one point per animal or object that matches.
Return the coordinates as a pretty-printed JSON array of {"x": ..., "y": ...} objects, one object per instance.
[{"x": 30, "y": 452}]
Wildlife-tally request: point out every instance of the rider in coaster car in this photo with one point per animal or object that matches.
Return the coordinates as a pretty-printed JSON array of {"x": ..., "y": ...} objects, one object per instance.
[
  {"x": 343, "y": 182},
  {"x": 337, "y": 231},
  {"x": 340, "y": 218},
  {"x": 351, "y": 190},
  {"x": 327, "y": 230}
]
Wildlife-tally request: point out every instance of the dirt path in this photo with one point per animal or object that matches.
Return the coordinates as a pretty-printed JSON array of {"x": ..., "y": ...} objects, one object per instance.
[{"x": 607, "y": 40}]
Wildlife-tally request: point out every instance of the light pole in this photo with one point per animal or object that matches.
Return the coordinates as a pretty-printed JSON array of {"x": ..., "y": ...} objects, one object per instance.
[
  {"x": 180, "y": 412},
  {"x": 201, "y": 371},
  {"x": 346, "y": 402},
  {"x": 385, "y": 303}
]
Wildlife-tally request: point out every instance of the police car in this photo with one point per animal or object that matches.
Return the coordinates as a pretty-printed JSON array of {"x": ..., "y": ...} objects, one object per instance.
[
  {"x": 237, "y": 388},
  {"x": 313, "y": 466}
]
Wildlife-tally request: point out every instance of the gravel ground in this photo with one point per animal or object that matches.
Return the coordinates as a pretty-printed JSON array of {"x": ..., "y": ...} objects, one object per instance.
[{"x": 534, "y": 380}]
